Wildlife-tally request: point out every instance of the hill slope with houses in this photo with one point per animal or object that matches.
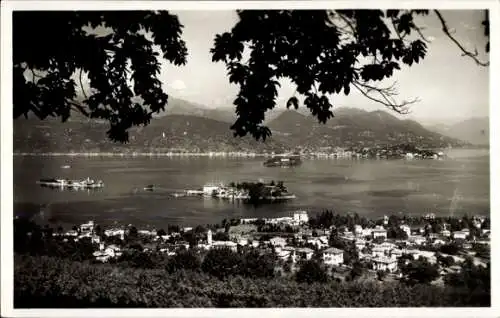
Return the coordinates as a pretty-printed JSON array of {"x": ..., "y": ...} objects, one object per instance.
[{"x": 185, "y": 127}]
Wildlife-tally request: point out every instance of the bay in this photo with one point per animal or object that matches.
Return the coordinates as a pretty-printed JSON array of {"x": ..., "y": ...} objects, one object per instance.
[{"x": 373, "y": 188}]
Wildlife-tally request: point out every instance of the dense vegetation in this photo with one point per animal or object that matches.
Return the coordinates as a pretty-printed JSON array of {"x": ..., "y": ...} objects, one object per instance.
[
  {"x": 51, "y": 270},
  {"x": 46, "y": 282}
]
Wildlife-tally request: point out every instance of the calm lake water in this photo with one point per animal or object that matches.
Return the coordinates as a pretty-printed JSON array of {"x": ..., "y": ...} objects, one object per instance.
[{"x": 457, "y": 185}]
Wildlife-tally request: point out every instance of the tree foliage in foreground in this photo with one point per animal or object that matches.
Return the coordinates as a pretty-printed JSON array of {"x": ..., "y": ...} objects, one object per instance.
[
  {"x": 323, "y": 52},
  {"x": 120, "y": 60},
  {"x": 45, "y": 282}
]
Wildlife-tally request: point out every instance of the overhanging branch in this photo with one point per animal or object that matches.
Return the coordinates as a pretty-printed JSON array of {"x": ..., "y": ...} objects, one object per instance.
[
  {"x": 446, "y": 31},
  {"x": 386, "y": 96}
]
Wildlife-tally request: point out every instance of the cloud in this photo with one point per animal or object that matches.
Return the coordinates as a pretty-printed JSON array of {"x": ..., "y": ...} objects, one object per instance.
[
  {"x": 178, "y": 85},
  {"x": 468, "y": 26}
]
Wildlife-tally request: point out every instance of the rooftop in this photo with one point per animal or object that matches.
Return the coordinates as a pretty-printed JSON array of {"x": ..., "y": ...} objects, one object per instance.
[{"x": 333, "y": 250}]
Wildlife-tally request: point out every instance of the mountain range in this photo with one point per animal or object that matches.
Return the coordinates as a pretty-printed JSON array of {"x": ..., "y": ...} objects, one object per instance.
[
  {"x": 185, "y": 126},
  {"x": 473, "y": 130}
]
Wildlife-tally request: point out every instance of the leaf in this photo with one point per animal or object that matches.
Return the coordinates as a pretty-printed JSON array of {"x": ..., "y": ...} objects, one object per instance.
[{"x": 292, "y": 101}]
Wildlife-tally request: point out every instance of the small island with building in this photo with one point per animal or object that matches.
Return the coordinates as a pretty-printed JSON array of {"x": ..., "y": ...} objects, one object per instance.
[
  {"x": 283, "y": 161},
  {"x": 247, "y": 192}
]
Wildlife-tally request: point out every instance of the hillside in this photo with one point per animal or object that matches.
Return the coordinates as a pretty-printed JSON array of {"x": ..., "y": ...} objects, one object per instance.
[
  {"x": 177, "y": 106},
  {"x": 355, "y": 127},
  {"x": 168, "y": 133},
  {"x": 474, "y": 130},
  {"x": 194, "y": 133}
]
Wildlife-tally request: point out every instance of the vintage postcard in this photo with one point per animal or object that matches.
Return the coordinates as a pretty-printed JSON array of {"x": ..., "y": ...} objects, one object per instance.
[{"x": 202, "y": 158}]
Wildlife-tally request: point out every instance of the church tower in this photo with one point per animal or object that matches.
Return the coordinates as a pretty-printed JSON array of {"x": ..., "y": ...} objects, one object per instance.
[{"x": 209, "y": 237}]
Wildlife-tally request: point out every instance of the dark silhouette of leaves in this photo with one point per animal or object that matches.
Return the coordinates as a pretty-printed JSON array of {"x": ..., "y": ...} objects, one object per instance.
[
  {"x": 119, "y": 57},
  {"x": 323, "y": 52}
]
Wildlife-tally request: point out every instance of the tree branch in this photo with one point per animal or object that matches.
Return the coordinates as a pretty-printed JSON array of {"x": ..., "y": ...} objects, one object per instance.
[
  {"x": 79, "y": 108},
  {"x": 387, "y": 94},
  {"x": 353, "y": 29},
  {"x": 446, "y": 31},
  {"x": 81, "y": 85},
  {"x": 422, "y": 36}
]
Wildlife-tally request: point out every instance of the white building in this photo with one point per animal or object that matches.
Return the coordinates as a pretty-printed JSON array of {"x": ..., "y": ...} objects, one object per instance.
[
  {"x": 225, "y": 244},
  {"x": 445, "y": 233},
  {"x": 115, "y": 232},
  {"x": 385, "y": 263},
  {"x": 209, "y": 237},
  {"x": 278, "y": 241},
  {"x": 87, "y": 227},
  {"x": 386, "y": 220},
  {"x": 248, "y": 220},
  {"x": 358, "y": 230},
  {"x": 417, "y": 239},
  {"x": 243, "y": 241},
  {"x": 300, "y": 217},
  {"x": 209, "y": 189},
  {"x": 333, "y": 256},
  {"x": 459, "y": 235},
  {"x": 379, "y": 233}
]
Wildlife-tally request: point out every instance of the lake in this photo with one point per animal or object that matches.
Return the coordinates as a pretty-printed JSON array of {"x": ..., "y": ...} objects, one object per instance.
[{"x": 454, "y": 186}]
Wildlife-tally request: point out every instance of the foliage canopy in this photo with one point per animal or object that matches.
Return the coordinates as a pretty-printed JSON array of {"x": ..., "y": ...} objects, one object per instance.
[{"x": 323, "y": 52}]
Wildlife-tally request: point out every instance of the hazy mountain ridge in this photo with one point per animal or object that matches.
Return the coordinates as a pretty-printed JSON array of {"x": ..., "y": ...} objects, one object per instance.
[
  {"x": 473, "y": 130},
  {"x": 354, "y": 127},
  {"x": 188, "y": 127}
]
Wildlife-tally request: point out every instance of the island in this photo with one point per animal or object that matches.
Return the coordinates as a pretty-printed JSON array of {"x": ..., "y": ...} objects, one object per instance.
[
  {"x": 283, "y": 161},
  {"x": 249, "y": 192}
]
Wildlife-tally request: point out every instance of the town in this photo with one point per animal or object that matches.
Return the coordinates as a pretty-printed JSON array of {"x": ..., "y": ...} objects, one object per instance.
[
  {"x": 403, "y": 151},
  {"x": 341, "y": 243}
]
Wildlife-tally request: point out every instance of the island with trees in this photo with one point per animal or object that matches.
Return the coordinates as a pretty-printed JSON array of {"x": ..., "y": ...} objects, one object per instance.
[{"x": 250, "y": 192}]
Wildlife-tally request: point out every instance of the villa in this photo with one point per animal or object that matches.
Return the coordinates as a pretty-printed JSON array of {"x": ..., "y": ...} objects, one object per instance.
[
  {"x": 225, "y": 244},
  {"x": 333, "y": 256},
  {"x": 300, "y": 217},
  {"x": 385, "y": 264},
  {"x": 278, "y": 241},
  {"x": 379, "y": 232}
]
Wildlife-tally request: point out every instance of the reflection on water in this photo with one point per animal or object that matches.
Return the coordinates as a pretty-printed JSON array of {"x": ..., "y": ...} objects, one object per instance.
[{"x": 372, "y": 188}]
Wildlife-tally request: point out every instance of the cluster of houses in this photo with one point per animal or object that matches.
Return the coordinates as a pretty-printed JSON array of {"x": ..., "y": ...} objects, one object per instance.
[{"x": 371, "y": 244}]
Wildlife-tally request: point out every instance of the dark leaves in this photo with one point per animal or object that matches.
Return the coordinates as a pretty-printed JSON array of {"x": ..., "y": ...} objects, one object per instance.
[
  {"x": 319, "y": 107},
  {"x": 305, "y": 47},
  {"x": 59, "y": 47},
  {"x": 292, "y": 101}
]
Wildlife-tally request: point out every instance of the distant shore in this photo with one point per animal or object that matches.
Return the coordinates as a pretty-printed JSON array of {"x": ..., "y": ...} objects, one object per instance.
[
  {"x": 143, "y": 154},
  {"x": 231, "y": 154}
]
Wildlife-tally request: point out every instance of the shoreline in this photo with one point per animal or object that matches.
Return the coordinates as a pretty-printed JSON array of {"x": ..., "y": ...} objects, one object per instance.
[{"x": 219, "y": 154}]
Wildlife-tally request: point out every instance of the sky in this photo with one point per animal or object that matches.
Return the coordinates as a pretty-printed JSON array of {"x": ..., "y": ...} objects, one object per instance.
[{"x": 450, "y": 87}]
